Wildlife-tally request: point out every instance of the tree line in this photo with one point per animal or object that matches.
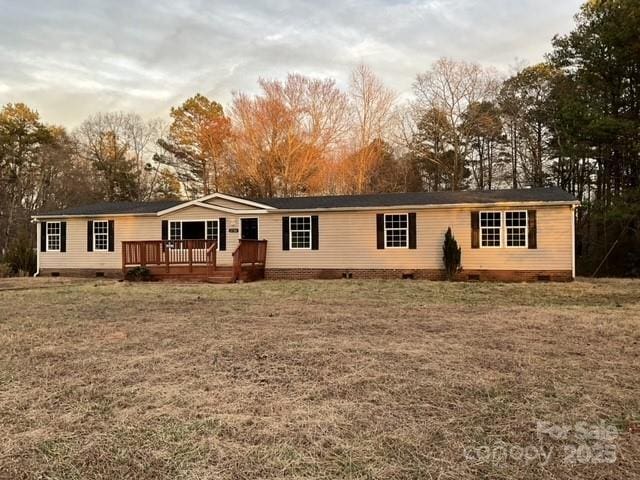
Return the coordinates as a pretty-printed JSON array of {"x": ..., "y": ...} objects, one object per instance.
[{"x": 571, "y": 121}]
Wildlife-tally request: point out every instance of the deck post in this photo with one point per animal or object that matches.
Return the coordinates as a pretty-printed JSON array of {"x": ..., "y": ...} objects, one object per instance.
[
  {"x": 143, "y": 254},
  {"x": 190, "y": 253},
  {"x": 124, "y": 258}
]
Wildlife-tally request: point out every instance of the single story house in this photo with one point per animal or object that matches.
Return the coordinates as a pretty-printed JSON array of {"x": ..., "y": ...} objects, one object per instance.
[{"x": 509, "y": 235}]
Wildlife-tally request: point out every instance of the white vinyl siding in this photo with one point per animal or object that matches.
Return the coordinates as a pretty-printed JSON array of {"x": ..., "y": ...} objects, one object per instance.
[{"x": 348, "y": 240}]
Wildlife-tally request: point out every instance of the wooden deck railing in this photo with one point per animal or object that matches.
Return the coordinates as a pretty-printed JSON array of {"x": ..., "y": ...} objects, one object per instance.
[
  {"x": 154, "y": 253},
  {"x": 249, "y": 252}
]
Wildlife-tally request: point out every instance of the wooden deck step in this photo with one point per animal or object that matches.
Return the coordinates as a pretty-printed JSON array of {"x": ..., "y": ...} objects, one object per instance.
[
  {"x": 219, "y": 279},
  {"x": 220, "y": 275}
]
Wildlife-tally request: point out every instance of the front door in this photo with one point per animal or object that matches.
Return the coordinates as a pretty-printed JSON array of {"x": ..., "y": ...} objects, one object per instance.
[{"x": 249, "y": 228}]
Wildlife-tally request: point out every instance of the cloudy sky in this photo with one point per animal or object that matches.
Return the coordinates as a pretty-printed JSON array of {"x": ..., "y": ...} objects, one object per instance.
[{"x": 69, "y": 59}]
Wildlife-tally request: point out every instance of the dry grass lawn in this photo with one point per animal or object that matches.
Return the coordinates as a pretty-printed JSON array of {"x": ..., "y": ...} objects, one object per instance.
[{"x": 318, "y": 379}]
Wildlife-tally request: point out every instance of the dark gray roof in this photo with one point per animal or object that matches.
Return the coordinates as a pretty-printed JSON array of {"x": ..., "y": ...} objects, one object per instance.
[
  {"x": 551, "y": 194},
  {"x": 115, "y": 208}
]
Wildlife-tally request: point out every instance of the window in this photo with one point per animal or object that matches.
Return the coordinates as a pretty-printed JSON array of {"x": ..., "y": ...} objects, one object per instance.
[
  {"x": 516, "y": 225},
  {"x": 53, "y": 236},
  {"x": 300, "y": 232},
  {"x": 175, "y": 230},
  {"x": 490, "y": 229},
  {"x": 212, "y": 230},
  {"x": 193, "y": 230},
  {"x": 396, "y": 230},
  {"x": 100, "y": 236}
]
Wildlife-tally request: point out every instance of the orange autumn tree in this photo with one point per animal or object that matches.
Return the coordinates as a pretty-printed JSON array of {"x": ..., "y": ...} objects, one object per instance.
[
  {"x": 197, "y": 146},
  {"x": 286, "y": 136}
]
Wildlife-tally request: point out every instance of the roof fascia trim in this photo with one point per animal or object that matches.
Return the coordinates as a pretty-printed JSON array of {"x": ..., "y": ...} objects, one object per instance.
[
  {"x": 208, "y": 206},
  {"x": 92, "y": 215},
  {"x": 537, "y": 203},
  {"x": 201, "y": 200}
]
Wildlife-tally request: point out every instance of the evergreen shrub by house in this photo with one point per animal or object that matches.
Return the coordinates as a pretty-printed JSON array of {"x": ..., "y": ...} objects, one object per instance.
[{"x": 451, "y": 256}]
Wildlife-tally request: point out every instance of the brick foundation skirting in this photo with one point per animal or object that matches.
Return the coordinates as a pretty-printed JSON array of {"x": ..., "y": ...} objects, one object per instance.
[
  {"x": 356, "y": 273},
  {"x": 82, "y": 272},
  {"x": 418, "y": 274}
]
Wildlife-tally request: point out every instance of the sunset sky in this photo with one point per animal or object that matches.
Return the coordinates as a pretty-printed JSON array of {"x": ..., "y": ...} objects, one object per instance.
[{"x": 71, "y": 59}]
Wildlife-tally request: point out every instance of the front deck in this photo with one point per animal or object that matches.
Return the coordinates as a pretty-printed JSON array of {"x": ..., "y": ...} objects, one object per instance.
[{"x": 195, "y": 260}]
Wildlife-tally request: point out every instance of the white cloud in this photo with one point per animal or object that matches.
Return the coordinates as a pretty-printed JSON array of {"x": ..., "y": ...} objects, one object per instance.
[{"x": 69, "y": 60}]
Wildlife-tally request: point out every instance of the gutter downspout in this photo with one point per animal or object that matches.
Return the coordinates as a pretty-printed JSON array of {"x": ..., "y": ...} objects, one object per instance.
[{"x": 38, "y": 228}]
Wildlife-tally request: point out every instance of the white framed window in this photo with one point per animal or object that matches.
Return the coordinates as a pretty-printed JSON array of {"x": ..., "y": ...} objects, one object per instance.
[
  {"x": 100, "y": 236},
  {"x": 516, "y": 225},
  {"x": 209, "y": 229},
  {"x": 53, "y": 236},
  {"x": 300, "y": 233},
  {"x": 212, "y": 230},
  {"x": 396, "y": 230},
  {"x": 175, "y": 230},
  {"x": 490, "y": 229}
]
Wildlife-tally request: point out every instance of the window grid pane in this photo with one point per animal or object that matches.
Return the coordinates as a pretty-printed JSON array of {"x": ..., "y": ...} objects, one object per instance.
[
  {"x": 101, "y": 235},
  {"x": 516, "y": 223},
  {"x": 490, "y": 229},
  {"x": 175, "y": 231},
  {"x": 300, "y": 231},
  {"x": 212, "y": 230},
  {"x": 53, "y": 236},
  {"x": 300, "y": 239},
  {"x": 396, "y": 230}
]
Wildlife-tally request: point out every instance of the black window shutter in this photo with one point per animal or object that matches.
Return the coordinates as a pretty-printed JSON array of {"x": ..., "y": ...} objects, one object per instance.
[
  {"x": 112, "y": 235},
  {"x": 314, "y": 232},
  {"x": 165, "y": 230},
  {"x": 533, "y": 229},
  {"x": 43, "y": 236},
  {"x": 285, "y": 233},
  {"x": 412, "y": 230},
  {"x": 222, "y": 234},
  {"x": 380, "y": 230},
  {"x": 475, "y": 229},
  {"x": 90, "y": 236},
  {"x": 165, "y": 233},
  {"x": 63, "y": 236}
]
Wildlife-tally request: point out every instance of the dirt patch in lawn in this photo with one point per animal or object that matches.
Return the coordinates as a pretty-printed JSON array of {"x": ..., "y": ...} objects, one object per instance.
[{"x": 318, "y": 379}]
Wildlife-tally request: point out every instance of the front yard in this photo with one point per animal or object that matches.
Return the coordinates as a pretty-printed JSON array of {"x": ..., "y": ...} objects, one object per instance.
[{"x": 319, "y": 379}]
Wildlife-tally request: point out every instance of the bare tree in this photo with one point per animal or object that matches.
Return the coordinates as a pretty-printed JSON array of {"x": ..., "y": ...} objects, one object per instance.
[
  {"x": 372, "y": 119},
  {"x": 120, "y": 147},
  {"x": 451, "y": 87}
]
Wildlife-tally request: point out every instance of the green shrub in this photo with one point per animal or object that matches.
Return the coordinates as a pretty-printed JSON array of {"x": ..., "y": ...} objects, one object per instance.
[
  {"x": 138, "y": 274},
  {"x": 21, "y": 258},
  {"x": 452, "y": 255}
]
